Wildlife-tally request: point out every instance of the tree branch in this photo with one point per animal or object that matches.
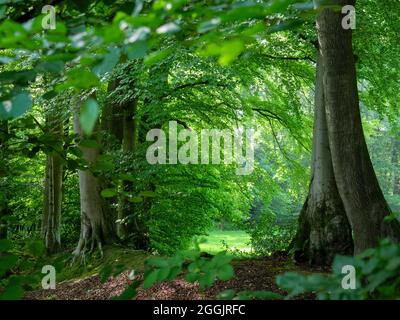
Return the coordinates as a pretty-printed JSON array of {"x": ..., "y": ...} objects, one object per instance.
[{"x": 289, "y": 58}]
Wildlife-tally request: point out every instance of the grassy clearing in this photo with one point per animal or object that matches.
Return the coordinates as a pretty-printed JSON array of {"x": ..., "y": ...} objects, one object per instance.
[{"x": 232, "y": 240}]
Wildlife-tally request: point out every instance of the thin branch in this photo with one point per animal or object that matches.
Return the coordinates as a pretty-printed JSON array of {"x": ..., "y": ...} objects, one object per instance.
[{"x": 289, "y": 58}]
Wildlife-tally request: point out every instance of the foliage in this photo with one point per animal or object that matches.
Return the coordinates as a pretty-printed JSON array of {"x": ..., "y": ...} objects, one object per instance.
[
  {"x": 377, "y": 273},
  {"x": 205, "y": 64},
  {"x": 20, "y": 268},
  {"x": 195, "y": 266}
]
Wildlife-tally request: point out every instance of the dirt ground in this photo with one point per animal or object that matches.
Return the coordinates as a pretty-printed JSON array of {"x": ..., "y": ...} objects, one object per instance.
[{"x": 251, "y": 274}]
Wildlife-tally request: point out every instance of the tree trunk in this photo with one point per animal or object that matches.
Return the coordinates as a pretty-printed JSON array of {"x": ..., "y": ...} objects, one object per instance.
[
  {"x": 395, "y": 164},
  {"x": 129, "y": 127},
  {"x": 112, "y": 115},
  {"x": 324, "y": 230},
  {"x": 355, "y": 177},
  {"x": 129, "y": 142},
  {"x": 52, "y": 204},
  {"x": 97, "y": 227}
]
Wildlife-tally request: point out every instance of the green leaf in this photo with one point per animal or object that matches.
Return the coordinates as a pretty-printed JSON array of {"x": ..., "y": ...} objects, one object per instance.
[
  {"x": 7, "y": 262},
  {"x": 17, "y": 106},
  {"x": 157, "y": 262},
  {"x": 12, "y": 293},
  {"x": 191, "y": 277},
  {"x": 127, "y": 177},
  {"x": 88, "y": 116},
  {"x": 378, "y": 279},
  {"x": 81, "y": 79},
  {"x": 147, "y": 194},
  {"x": 103, "y": 163},
  {"x": 108, "y": 62},
  {"x": 163, "y": 274},
  {"x": 136, "y": 50},
  {"x": 150, "y": 279},
  {"x": 393, "y": 264},
  {"x": 105, "y": 273},
  {"x": 230, "y": 51},
  {"x": 207, "y": 279},
  {"x": 108, "y": 193},
  {"x": 226, "y": 272},
  {"x": 5, "y": 245},
  {"x": 135, "y": 199},
  {"x": 173, "y": 272},
  {"x": 129, "y": 292},
  {"x": 157, "y": 56},
  {"x": 35, "y": 247},
  {"x": 292, "y": 282},
  {"x": 22, "y": 77},
  {"x": 227, "y": 51},
  {"x": 50, "y": 66}
]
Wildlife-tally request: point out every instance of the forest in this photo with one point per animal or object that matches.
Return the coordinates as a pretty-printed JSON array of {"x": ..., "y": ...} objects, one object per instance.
[{"x": 199, "y": 150}]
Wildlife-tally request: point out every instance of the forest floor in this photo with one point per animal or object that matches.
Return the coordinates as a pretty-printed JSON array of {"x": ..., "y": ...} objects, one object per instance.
[{"x": 251, "y": 274}]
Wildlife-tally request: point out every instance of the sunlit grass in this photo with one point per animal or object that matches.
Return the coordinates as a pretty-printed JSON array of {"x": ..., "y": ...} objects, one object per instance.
[{"x": 235, "y": 240}]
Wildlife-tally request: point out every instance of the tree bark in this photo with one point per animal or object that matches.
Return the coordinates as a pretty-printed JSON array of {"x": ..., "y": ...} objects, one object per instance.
[
  {"x": 52, "y": 203},
  {"x": 112, "y": 116},
  {"x": 395, "y": 164},
  {"x": 129, "y": 142},
  {"x": 323, "y": 230},
  {"x": 355, "y": 177},
  {"x": 97, "y": 227}
]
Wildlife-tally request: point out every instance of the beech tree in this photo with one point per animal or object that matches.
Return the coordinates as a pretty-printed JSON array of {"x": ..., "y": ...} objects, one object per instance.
[
  {"x": 365, "y": 205},
  {"x": 52, "y": 198},
  {"x": 324, "y": 230},
  {"x": 97, "y": 224}
]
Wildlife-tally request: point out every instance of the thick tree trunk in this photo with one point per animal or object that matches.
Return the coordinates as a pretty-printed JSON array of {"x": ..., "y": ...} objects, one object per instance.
[
  {"x": 111, "y": 129},
  {"x": 97, "y": 227},
  {"x": 52, "y": 198},
  {"x": 355, "y": 178},
  {"x": 52, "y": 204},
  {"x": 323, "y": 229}
]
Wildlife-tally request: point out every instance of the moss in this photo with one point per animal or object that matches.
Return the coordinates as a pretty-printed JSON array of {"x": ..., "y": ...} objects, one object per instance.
[{"x": 113, "y": 255}]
